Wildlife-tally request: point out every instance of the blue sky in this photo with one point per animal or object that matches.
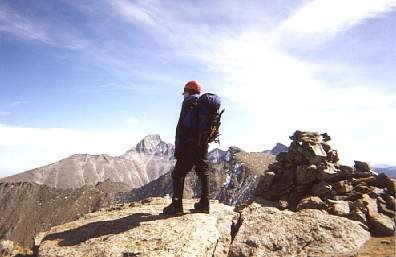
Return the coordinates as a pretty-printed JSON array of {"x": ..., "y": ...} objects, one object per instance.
[{"x": 97, "y": 76}]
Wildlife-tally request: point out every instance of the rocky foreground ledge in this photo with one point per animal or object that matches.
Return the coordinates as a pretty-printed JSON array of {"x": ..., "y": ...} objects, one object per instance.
[{"x": 138, "y": 229}]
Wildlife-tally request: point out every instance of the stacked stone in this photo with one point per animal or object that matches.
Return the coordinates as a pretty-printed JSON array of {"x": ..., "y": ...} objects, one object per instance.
[{"x": 309, "y": 176}]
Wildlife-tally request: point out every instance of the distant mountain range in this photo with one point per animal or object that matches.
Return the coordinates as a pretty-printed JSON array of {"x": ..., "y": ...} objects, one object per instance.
[
  {"x": 147, "y": 161},
  {"x": 390, "y": 171}
]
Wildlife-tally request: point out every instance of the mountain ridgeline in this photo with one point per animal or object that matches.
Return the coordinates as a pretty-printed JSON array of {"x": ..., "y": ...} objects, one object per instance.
[
  {"x": 150, "y": 159},
  {"x": 390, "y": 171},
  {"x": 233, "y": 176}
]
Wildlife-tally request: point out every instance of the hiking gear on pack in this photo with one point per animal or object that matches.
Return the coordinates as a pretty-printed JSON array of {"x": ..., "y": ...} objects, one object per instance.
[
  {"x": 193, "y": 85},
  {"x": 176, "y": 207},
  {"x": 208, "y": 118}
]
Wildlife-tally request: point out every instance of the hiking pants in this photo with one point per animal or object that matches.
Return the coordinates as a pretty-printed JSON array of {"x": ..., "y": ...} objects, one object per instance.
[{"x": 192, "y": 156}]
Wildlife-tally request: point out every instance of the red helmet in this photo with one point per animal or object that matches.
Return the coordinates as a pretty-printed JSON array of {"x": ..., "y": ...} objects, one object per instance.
[{"x": 193, "y": 85}]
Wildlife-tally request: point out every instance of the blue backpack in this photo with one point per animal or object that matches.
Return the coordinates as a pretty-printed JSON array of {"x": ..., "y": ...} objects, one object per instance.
[{"x": 209, "y": 118}]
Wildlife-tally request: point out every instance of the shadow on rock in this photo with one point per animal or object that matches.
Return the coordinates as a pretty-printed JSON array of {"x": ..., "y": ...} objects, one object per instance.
[
  {"x": 130, "y": 254},
  {"x": 102, "y": 228}
]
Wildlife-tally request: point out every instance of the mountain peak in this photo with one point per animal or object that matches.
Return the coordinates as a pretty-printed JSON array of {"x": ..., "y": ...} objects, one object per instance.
[
  {"x": 277, "y": 149},
  {"x": 149, "y": 143},
  {"x": 216, "y": 155},
  {"x": 153, "y": 144}
]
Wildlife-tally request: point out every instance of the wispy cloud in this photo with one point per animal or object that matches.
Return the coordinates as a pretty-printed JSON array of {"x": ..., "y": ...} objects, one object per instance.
[
  {"x": 321, "y": 19},
  {"x": 32, "y": 28},
  {"x": 132, "y": 121},
  {"x": 65, "y": 141},
  {"x": 134, "y": 12},
  {"x": 41, "y": 146},
  {"x": 4, "y": 113},
  {"x": 18, "y": 103},
  {"x": 16, "y": 24}
]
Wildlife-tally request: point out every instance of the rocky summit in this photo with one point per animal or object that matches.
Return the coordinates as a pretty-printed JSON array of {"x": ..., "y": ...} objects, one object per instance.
[
  {"x": 308, "y": 176},
  {"x": 139, "y": 229}
]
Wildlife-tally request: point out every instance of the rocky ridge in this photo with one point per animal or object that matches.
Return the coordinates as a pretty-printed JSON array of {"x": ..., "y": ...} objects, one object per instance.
[
  {"x": 232, "y": 178},
  {"x": 216, "y": 155},
  {"x": 27, "y": 208},
  {"x": 309, "y": 176}
]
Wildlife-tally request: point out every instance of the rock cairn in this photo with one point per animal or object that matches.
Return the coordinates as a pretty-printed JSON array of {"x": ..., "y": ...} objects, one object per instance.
[{"x": 308, "y": 176}]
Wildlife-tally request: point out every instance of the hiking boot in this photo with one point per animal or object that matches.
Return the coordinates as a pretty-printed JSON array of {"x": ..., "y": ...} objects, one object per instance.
[
  {"x": 201, "y": 206},
  {"x": 176, "y": 207}
]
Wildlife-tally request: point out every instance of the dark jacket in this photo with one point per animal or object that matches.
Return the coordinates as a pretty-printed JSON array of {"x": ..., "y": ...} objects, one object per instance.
[{"x": 186, "y": 129}]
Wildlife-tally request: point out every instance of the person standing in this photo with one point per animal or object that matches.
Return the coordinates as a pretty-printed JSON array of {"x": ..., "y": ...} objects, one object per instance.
[{"x": 190, "y": 150}]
